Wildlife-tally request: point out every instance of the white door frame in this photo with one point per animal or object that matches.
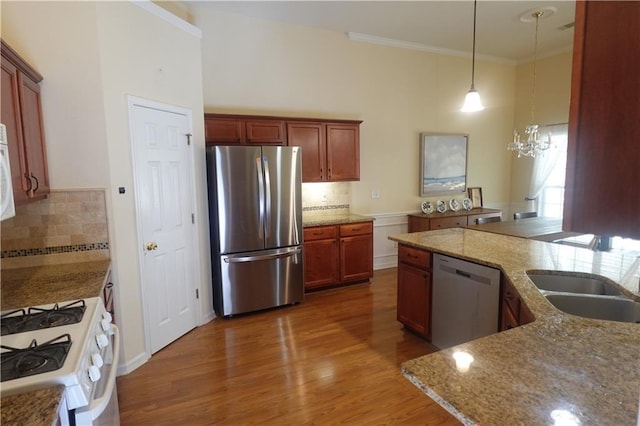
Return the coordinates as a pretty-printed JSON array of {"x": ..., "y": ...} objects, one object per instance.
[{"x": 132, "y": 102}]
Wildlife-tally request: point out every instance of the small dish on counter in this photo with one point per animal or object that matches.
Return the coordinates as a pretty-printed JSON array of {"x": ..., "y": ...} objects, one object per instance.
[
  {"x": 441, "y": 206},
  {"x": 454, "y": 205}
]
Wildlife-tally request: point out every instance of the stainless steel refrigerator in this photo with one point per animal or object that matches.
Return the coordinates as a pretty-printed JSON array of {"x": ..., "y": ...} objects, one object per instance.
[{"x": 255, "y": 216}]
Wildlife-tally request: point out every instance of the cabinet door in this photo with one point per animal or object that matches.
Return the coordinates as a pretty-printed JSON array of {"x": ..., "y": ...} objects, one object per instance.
[
  {"x": 265, "y": 132},
  {"x": 34, "y": 141},
  {"x": 320, "y": 263},
  {"x": 223, "y": 131},
  {"x": 311, "y": 137},
  {"x": 356, "y": 258},
  {"x": 343, "y": 152},
  {"x": 414, "y": 299},
  {"x": 11, "y": 117},
  {"x": 601, "y": 189},
  {"x": 508, "y": 319}
]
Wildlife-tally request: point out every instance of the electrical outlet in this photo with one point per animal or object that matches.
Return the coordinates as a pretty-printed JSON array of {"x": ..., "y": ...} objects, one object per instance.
[{"x": 375, "y": 194}]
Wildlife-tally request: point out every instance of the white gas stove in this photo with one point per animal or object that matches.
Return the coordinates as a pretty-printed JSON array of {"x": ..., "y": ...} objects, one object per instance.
[{"x": 78, "y": 348}]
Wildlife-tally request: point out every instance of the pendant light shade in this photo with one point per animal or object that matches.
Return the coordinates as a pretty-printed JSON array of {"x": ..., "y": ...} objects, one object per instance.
[{"x": 472, "y": 101}]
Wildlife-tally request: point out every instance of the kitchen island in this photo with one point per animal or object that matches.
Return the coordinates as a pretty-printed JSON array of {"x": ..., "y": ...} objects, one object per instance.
[
  {"x": 40, "y": 285},
  {"x": 559, "y": 366}
]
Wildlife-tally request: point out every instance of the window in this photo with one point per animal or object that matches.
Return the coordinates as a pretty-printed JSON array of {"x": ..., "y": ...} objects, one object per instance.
[{"x": 547, "y": 180}]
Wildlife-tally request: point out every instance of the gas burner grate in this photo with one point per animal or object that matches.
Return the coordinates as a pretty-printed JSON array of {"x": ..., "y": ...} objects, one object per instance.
[
  {"x": 34, "y": 359},
  {"x": 19, "y": 321}
]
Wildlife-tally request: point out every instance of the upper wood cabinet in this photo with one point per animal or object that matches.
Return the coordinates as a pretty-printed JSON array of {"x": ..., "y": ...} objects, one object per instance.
[
  {"x": 601, "y": 189},
  {"x": 330, "y": 151},
  {"x": 330, "y": 148},
  {"x": 22, "y": 115},
  {"x": 226, "y": 129}
]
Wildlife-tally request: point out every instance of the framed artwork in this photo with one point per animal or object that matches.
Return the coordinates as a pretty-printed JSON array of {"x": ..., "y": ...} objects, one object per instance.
[
  {"x": 475, "y": 194},
  {"x": 443, "y": 163}
]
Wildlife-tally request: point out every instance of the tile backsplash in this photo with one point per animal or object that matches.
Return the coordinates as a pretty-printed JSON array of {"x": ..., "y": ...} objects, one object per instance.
[
  {"x": 335, "y": 196},
  {"x": 69, "y": 226}
]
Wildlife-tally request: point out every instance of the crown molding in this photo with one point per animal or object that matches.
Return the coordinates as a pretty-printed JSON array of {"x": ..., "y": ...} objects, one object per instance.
[
  {"x": 382, "y": 41},
  {"x": 168, "y": 17}
]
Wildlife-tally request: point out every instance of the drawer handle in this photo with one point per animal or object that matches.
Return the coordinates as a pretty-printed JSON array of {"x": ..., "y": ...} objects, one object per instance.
[
  {"x": 412, "y": 256},
  {"x": 318, "y": 233}
]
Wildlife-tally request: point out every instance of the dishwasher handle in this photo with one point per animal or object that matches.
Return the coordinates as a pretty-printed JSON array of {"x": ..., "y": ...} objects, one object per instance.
[{"x": 463, "y": 273}]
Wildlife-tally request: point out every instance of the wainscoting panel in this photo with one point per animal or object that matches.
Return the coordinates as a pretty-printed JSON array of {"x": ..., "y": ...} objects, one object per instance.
[{"x": 385, "y": 251}]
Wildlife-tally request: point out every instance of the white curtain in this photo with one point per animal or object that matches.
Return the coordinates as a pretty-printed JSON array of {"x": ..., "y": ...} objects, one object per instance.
[{"x": 543, "y": 165}]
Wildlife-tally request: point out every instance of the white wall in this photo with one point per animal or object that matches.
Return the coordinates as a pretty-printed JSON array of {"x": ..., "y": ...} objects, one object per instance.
[
  {"x": 92, "y": 55},
  {"x": 256, "y": 66}
]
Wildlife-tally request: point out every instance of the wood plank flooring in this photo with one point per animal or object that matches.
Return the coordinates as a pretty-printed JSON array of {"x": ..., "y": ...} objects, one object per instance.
[{"x": 333, "y": 359}]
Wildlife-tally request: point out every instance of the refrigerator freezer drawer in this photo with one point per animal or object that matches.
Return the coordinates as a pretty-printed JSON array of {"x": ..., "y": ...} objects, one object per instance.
[{"x": 259, "y": 280}]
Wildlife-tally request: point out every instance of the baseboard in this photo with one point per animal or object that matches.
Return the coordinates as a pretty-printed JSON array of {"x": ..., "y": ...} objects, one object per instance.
[{"x": 130, "y": 366}]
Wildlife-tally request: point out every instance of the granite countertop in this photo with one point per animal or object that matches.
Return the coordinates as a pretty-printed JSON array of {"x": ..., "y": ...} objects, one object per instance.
[
  {"x": 40, "y": 285},
  {"x": 38, "y": 407},
  {"x": 328, "y": 217},
  {"x": 558, "y": 367},
  {"x": 37, "y": 286}
]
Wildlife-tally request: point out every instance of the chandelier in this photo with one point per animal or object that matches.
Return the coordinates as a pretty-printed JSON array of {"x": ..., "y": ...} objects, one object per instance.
[{"x": 533, "y": 145}]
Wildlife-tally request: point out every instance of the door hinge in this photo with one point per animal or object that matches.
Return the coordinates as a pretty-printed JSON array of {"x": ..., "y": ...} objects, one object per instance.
[
  {"x": 189, "y": 138},
  {"x": 193, "y": 218},
  {"x": 197, "y": 294}
]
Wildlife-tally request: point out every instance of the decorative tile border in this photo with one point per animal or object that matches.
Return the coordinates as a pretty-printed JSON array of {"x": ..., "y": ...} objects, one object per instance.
[
  {"x": 317, "y": 208},
  {"x": 53, "y": 250}
]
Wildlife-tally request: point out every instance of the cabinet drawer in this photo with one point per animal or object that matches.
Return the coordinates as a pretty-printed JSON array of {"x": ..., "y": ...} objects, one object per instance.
[
  {"x": 362, "y": 228},
  {"x": 320, "y": 233},
  {"x": 414, "y": 256},
  {"x": 447, "y": 222}
]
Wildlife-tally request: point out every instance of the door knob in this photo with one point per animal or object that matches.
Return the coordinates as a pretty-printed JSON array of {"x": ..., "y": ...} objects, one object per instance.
[{"x": 151, "y": 246}]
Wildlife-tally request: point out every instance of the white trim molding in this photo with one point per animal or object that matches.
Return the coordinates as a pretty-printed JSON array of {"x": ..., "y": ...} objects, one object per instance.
[
  {"x": 168, "y": 17},
  {"x": 390, "y": 42},
  {"x": 385, "y": 251}
]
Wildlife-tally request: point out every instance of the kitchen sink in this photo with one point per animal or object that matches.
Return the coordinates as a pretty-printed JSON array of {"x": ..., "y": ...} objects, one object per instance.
[
  {"x": 572, "y": 284},
  {"x": 597, "y": 307}
]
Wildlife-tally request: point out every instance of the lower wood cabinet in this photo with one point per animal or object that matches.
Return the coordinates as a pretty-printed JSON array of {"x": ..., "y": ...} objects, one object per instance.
[
  {"x": 337, "y": 254},
  {"x": 514, "y": 311},
  {"x": 427, "y": 222},
  {"x": 414, "y": 290}
]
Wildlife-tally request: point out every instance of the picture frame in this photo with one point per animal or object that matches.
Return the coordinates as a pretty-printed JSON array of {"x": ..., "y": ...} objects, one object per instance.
[
  {"x": 443, "y": 163},
  {"x": 475, "y": 194}
]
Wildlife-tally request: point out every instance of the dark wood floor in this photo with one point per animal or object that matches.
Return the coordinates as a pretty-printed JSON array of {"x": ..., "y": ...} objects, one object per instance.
[{"x": 335, "y": 358}]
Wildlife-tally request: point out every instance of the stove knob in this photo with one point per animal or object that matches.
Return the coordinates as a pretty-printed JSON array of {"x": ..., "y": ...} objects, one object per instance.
[
  {"x": 106, "y": 326},
  {"x": 96, "y": 360},
  {"x": 94, "y": 373},
  {"x": 102, "y": 341},
  {"x": 107, "y": 316}
]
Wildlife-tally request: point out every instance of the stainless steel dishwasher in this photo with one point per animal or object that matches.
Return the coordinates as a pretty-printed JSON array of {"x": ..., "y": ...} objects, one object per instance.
[{"x": 465, "y": 301}]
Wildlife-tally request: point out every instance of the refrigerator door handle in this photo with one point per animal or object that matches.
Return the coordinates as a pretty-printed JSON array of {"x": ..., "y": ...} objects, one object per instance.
[
  {"x": 259, "y": 175},
  {"x": 289, "y": 253},
  {"x": 267, "y": 193}
]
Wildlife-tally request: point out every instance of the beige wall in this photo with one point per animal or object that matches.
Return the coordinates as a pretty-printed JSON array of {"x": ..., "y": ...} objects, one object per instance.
[
  {"x": 553, "y": 93},
  {"x": 92, "y": 55},
  {"x": 255, "y": 66}
]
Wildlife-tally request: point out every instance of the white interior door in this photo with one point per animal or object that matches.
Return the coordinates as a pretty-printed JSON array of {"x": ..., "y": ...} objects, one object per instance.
[{"x": 164, "y": 192}]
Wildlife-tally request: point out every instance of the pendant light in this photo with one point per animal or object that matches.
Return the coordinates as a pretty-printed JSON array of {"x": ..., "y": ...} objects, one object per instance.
[
  {"x": 534, "y": 145},
  {"x": 472, "y": 101}
]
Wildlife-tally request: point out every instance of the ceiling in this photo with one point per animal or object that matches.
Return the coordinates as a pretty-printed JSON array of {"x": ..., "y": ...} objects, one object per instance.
[{"x": 429, "y": 25}]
